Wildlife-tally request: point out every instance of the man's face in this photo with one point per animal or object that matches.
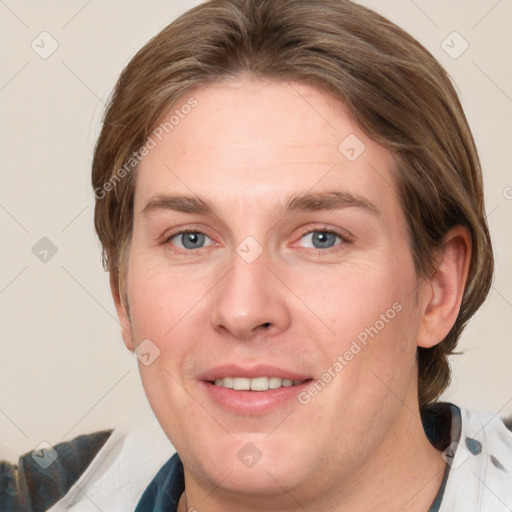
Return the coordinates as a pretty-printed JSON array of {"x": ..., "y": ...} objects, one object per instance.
[{"x": 319, "y": 290}]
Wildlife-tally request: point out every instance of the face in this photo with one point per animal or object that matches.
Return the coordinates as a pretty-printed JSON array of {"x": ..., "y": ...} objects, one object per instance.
[{"x": 271, "y": 270}]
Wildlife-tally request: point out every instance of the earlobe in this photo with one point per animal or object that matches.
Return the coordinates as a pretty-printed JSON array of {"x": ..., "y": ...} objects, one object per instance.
[
  {"x": 443, "y": 291},
  {"x": 122, "y": 314}
]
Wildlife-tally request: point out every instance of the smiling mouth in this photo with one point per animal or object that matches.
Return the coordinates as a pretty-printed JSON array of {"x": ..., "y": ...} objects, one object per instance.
[{"x": 256, "y": 383}]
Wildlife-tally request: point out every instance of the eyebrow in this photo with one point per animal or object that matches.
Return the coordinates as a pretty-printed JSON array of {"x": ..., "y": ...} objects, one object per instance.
[{"x": 308, "y": 201}]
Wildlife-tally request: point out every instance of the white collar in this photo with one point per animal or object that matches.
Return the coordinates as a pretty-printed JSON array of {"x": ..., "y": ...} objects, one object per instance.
[{"x": 480, "y": 477}]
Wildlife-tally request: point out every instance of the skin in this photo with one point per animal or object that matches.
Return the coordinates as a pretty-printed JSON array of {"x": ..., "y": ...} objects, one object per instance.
[{"x": 357, "y": 445}]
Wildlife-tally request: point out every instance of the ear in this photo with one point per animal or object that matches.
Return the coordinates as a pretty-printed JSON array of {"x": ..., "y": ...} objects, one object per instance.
[
  {"x": 441, "y": 294},
  {"x": 122, "y": 313}
]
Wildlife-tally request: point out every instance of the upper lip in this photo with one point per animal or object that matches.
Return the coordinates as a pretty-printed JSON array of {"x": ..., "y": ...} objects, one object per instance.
[{"x": 250, "y": 372}]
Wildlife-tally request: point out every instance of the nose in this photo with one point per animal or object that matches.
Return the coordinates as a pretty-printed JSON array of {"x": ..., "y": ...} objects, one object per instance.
[{"x": 250, "y": 300}]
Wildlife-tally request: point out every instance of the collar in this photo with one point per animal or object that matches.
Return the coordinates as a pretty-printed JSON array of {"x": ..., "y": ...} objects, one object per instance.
[{"x": 165, "y": 490}]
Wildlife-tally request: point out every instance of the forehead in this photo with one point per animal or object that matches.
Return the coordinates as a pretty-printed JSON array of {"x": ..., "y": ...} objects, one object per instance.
[{"x": 251, "y": 143}]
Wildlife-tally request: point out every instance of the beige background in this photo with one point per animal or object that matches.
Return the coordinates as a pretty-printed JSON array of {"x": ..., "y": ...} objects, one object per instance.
[{"x": 63, "y": 368}]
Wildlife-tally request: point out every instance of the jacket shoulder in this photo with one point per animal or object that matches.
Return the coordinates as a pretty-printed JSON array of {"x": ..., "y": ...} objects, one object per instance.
[{"x": 44, "y": 475}]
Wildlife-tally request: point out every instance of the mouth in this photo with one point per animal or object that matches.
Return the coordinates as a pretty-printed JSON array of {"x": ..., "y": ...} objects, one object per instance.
[
  {"x": 252, "y": 391},
  {"x": 256, "y": 383}
]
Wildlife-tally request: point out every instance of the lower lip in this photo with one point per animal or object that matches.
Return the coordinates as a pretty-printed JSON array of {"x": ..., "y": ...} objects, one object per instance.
[{"x": 252, "y": 402}]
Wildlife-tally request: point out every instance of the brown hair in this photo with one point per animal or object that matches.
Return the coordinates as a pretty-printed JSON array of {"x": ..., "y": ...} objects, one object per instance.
[{"x": 395, "y": 89}]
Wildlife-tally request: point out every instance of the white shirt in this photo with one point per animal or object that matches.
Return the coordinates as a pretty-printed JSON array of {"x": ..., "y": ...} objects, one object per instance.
[{"x": 479, "y": 477}]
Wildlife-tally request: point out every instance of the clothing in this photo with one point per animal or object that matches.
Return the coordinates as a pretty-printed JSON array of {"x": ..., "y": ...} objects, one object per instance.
[
  {"x": 477, "y": 448},
  {"x": 481, "y": 467},
  {"x": 111, "y": 472},
  {"x": 34, "y": 487},
  {"x": 136, "y": 468}
]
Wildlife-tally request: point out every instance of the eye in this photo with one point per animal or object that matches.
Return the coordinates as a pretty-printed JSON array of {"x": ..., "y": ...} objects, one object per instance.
[
  {"x": 322, "y": 239},
  {"x": 319, "y": 239},
  {"x": 189, "y": 240}
]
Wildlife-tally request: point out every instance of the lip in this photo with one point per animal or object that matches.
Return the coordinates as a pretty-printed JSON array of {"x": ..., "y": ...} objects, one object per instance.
[
  {"x": 250, "y": 372},
  {"x": 251, "y": 403}
]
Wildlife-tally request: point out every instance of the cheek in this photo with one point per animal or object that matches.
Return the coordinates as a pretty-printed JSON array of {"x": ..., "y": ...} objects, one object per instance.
[
  {"x": 352, "y": 298},
  {"x": 372, "y": 317},
  {"x": 159, "y": 296},
  {"x": 166, "y": 307}
]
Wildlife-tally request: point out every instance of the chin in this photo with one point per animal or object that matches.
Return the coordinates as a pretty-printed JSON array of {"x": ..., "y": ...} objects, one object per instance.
[
  {"x": 251, "y": 465},
  {"x": 265, "y": 479}
]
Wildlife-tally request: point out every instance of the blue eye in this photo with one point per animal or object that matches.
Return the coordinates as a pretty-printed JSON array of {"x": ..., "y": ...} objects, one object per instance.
[
  {"x": 189, "y": 240},
  {"x": 322, "y": 239}
]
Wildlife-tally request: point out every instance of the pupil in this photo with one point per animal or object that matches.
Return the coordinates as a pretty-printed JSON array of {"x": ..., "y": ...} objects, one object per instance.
[
  {"x": 324, "y": 239},
  {"x": 191, "y": 240}
]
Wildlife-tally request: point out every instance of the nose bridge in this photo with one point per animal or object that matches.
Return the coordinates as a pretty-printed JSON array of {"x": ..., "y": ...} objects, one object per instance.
[{"x": 249, "y": 296}]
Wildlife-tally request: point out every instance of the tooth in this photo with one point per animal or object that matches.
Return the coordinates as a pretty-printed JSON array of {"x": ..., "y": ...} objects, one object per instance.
[
  {"x": 241, "y": 384},
  {"x": 259, "y": 384},
  {"x": 255, "y": 384},
  {"x": 274, "y": 382}
]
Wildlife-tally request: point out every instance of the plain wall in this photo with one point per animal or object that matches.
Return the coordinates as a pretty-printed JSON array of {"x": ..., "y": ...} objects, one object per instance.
[{"x": 64, "y": 370}]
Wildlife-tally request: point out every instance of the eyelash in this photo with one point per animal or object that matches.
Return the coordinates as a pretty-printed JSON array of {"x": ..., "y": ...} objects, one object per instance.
[{"x": 345, "y": 238}]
